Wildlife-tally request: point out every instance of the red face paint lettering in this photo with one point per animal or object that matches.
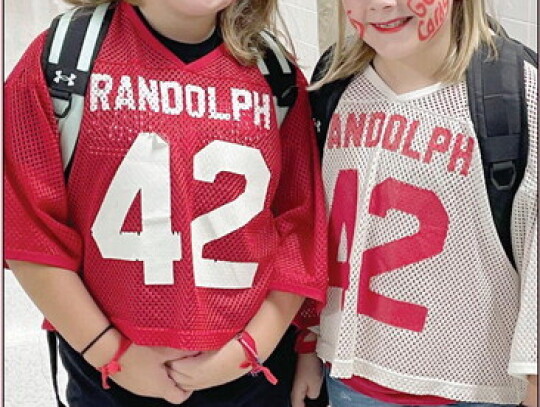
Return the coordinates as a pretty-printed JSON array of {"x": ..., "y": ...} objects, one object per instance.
[
  {"x": 432, "y": 16},
  {"x": 419, "y": 7},
  {"x": 429, "y": 29},
  {"x": 357, "y": 24}
]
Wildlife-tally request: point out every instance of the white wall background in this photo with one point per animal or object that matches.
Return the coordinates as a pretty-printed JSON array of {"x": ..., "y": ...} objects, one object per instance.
[
  {"x": 301, "y": 19},
  {"x": 26, "y": 373},
  {"x": 520, "y": 19}
]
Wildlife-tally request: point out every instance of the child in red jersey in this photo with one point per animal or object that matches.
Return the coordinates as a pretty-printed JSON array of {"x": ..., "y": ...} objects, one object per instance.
[
  {"x": 191, "y": 226},
  {"x": 424, "y": 306}
]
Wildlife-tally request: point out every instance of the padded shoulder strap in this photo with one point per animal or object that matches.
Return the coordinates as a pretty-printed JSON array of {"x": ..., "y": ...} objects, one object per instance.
[
  {"x": 325, "y": 100},
  {"x": 498, "y": 110},
  {"x": 280, "y": 73},
  {"x": 73, "y": 42}
]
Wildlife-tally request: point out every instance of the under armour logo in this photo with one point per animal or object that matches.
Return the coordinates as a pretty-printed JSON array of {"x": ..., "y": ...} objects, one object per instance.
[
  {"x": 318, "y": 125},
  {"x": 69, "y": 79}
]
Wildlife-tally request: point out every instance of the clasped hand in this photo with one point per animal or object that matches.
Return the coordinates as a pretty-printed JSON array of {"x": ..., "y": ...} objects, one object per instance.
[
  {"x": 208, "y": 369},
  {"x": 175, "y": 373}
]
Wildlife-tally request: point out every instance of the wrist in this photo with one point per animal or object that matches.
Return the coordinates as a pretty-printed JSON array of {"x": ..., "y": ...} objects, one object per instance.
[
  {"x": 113, "y": 366},
  {"x": 306, "y": 342},
  {"x": 252, "y": 361},
  {"x": 104, "y": 350}
]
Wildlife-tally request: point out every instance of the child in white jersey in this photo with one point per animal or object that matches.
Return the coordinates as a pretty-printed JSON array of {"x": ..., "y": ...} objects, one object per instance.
[
  {"x": 424, "y": 307},
  {"x": 192, "y": 223}
]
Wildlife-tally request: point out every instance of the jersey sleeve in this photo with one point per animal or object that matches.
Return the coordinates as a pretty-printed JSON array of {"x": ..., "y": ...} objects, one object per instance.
[
  {"x": 36, "y": 227},
  {"x": 298, "y": 207},
  {"x": 524, "y": 354}
]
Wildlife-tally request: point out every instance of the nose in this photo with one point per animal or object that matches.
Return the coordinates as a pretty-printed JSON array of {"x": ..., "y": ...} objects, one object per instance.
[{"x": 381, "y": 4}]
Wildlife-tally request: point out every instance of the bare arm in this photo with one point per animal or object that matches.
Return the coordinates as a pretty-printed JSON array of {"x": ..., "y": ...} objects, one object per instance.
[
  {"x": 532, "y": 392},
  {"x": 272, "y": 320},
  {"x": 64, "y": 300},
  {"x": 62, "y": 297}
]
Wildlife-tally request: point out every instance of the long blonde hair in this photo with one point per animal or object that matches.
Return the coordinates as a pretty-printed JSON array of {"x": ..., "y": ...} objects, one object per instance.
[
  {"x": 241, "y": 23},
  {"x": 469, "y": 28}
]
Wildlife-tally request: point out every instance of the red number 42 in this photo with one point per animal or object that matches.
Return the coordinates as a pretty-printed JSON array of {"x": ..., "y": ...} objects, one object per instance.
[{"x": 427, "y": 242}]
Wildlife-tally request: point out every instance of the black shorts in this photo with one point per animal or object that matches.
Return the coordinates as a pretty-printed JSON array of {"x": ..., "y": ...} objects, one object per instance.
[{"x": 84, "y": 384}]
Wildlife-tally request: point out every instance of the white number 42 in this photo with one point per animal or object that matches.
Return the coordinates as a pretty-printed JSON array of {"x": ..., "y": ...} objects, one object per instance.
[{"x": 146, "y": 169}]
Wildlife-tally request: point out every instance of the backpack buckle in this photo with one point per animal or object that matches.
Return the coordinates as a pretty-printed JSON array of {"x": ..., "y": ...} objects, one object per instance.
[
  {"x": 503, "y": 175},
  {"x": 61, "y": 102}
]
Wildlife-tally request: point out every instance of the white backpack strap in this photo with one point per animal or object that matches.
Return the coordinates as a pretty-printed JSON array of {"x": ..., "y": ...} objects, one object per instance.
[
  {"x": 73, "y": 43},
  {"x": 280, "y": 74}
]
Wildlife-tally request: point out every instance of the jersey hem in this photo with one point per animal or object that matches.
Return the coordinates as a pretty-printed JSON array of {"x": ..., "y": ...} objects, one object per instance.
[
  {"x": 40, "y": 258},
  {"x": 312, "y": 293},
  {"x": 422, "y": 385},
  {"x": 522, "y": 369},
  {"x": 173, "y": 338},
  {"x": 377, "y": 392}
]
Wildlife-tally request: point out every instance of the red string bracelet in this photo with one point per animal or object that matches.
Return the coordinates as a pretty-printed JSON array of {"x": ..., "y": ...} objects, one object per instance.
[
  {"x": 302, "y": 346},
  {"x": 114, "y": 366},
  {"x": 250, "y": 349}
]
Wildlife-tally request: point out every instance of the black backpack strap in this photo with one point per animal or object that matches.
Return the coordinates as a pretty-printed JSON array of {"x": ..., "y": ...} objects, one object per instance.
[
  {"x": 325, "y": 99},
  {"x": 497, "y": 27},
  {"x": 280, "y": 73},
  {"x": 53, "y": 359},
  {"x": 498, "y": 109},
  {"x": 73, "y": 42}
]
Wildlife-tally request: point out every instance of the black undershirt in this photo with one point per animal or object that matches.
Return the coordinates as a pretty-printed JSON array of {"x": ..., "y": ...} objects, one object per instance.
[{"x": 186, "y": 52}]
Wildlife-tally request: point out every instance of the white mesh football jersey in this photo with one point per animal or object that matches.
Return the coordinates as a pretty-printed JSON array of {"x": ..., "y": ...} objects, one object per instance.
[{"x": 422, "y": 297}]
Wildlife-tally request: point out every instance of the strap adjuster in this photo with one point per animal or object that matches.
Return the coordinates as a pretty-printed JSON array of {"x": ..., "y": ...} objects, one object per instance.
[
  {"x": 61, "y": 102},
  {"x": 503, "y": 175}
]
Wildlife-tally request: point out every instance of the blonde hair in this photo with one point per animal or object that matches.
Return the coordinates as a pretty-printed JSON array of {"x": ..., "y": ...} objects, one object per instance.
[
  {"x": 241, "y": 23},
  {"x": 469, "y": 28}
]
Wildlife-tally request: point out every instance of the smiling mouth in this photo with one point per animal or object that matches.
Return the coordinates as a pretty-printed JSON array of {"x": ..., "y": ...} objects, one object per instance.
[{"x": 393, "y": 25}]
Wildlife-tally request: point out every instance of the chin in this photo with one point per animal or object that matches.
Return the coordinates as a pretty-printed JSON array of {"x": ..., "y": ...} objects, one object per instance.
[
  {"x": 393, "y": 53},
  {"x": 200, "y": 8}
]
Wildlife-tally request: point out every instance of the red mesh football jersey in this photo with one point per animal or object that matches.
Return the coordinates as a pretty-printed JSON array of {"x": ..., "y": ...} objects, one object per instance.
[{"x": 185, "y": 204}]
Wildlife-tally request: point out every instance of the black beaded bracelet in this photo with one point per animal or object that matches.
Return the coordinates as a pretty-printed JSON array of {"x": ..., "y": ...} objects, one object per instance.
[{"x": 97, "y": 338}]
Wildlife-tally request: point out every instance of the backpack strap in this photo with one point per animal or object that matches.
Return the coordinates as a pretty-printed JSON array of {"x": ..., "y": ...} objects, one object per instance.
[
  {"x": 73, "y": 42},
  {"x": 280, "y": 73},
  {"x": 498, "y": 110},
  {"x": 53, "y": 360},
  {"x": 325, "y": 99}
]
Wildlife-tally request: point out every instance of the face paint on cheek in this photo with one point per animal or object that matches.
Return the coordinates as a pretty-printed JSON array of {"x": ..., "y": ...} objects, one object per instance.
[
  {"x": 357, "y": 24},
  {"x": 419, "y": 7},
  {"x": 430, "y": 23}
]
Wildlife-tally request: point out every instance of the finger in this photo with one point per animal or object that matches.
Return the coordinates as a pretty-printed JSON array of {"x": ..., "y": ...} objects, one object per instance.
[
  {"x": 183, "y": 365},
  {"x": 180, "y": 379},
  {"x": 169, "y": 389},
  {"x": 166, "y": 354},
  {"x": 297, "y": 396},
  {"x": 182, "y": 356},
  {"x": 313, "y": 391},
  {"x": 175, "y": 395},
  {"x": 178, "y": 368}
]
